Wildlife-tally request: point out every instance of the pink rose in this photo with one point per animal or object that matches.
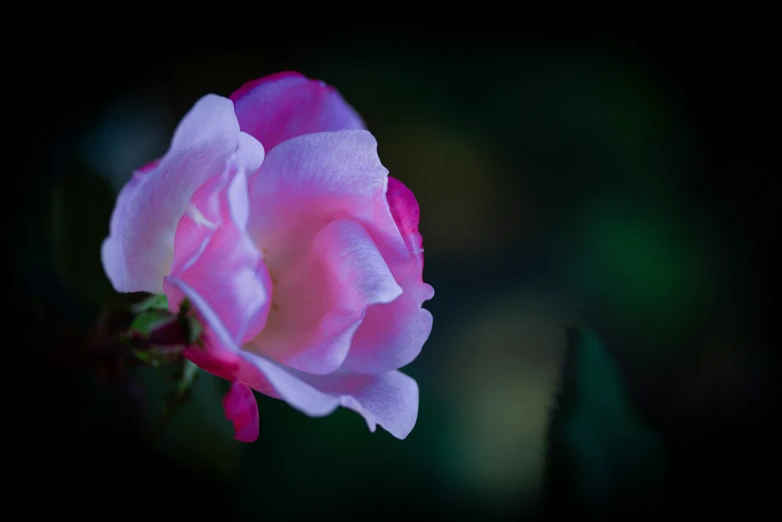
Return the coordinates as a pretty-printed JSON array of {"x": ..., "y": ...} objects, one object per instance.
[{"x": 305, "y": 266}]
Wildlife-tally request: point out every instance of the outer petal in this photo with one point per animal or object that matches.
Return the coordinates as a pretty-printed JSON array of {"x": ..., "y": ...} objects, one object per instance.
[
  {"x": 390, "y": 399},
  {"x": 285, "y": 105},
  {"x": 217, "y": 259},
  {"x": 393, "y": 334},
  {"x": 320, "y": 301},
  {"x": 306, "y": 182},
  {"x": 139, "y": 249},
  {"x": 241, "y": 409}
]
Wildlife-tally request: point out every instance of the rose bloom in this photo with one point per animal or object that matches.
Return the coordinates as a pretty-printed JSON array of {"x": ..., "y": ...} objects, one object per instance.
[{"x": 273, "y": 216}]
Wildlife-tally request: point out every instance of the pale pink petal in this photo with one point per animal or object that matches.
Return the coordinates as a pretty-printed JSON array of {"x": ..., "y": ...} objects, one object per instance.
[
  {"x": 320, "y": 300},
  {"x": 139, "y": 249},
  {"x": 392, "y": 335},
  {"x": 389, "y": 399},
  {"x": 216, "y": 258},
  {"x": 307, "y": 181},
  {"x": 241, "y": 409},
  {"x": 209, "y": 257},
  {"x": 249, "y": 153},
  {"x": 285, "y": 105}
]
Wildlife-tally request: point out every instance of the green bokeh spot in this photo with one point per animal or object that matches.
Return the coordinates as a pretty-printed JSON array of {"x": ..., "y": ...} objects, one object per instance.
[{"x": 638, "y": 264}]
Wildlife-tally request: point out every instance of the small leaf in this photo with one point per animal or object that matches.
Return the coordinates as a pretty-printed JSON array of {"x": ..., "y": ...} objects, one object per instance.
[
  {"x": 186, "y": 377},
  {"x": 153, "y": 302},
  {"x": 156, "y": 357},
  {"x": 147, "y": 320},
  {"x": 193, "y": 330},
  {"x": 147, "y": 357}
]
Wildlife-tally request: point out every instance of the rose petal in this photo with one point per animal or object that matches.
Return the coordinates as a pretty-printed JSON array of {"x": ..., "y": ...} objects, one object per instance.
[
  {"x": 320, "y": 301},
  {"x": 217, "y": 259},
  {"x": 241, "y": 409},
  {"x": 392, "y": 335},
  {"x": 390, "y": 399},
  {"x": 285, "y": 105},
  {"x": 221, "y": 272},
  {"x": 139, "y": 249},
  {"x": 249, "y": 153},
  {"x": 407, "y": 214},
  {"x": 307, "y": 181}
]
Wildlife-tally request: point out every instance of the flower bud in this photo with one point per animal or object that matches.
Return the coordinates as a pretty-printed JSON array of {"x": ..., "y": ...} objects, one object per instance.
[{"x": 159, "y": 336}]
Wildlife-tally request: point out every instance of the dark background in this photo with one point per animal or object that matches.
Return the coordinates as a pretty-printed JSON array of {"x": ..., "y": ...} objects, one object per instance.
[{"x": 569, "y": 176}]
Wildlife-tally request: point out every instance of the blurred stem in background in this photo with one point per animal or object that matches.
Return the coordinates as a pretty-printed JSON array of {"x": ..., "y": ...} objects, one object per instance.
[{"x": 602, "y": 458}]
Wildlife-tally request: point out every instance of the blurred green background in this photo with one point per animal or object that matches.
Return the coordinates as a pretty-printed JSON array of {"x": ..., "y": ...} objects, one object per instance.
[{"x": 615, "y": 187}]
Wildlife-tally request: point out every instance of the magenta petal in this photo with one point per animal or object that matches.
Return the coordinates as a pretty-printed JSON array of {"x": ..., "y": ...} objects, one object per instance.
[
  {"x": 285, "y": 105},
  {"x": 216, "y": 258},
  {"x": 139, "y": 249},
  {"x": 320, "y": 301},
  {"x": 407, "y": 214},
  {"x": 389, "y": 399},
  {"x": 241, "y": 409}
]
